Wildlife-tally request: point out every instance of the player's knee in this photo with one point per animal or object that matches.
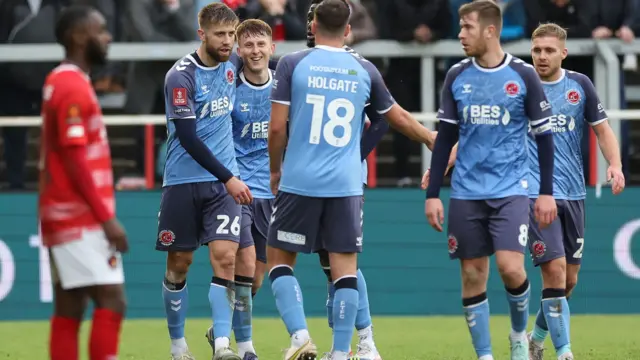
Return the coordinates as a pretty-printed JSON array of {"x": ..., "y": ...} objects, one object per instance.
[
  {"x": 246, "y": 262},
  {"x": 178, "y": 266},
  {"x": 554, "y": 273},
  {"x": 473, "y": 275},
  {"x": 111, "y": 297},
  {"x": 225, "y": 258},
  {"x": 572, "y": 281},
  {"x": 512, "y": 271}
]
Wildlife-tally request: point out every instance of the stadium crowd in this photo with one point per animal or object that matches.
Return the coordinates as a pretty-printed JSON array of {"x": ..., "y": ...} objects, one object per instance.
[{"x": 162, "y": 21}]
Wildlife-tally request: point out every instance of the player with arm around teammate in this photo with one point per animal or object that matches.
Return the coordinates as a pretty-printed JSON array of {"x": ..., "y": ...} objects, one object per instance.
[
  {"x": 489, "y": 100},
  {"x": 76, "y": 205},
  {"x": 558, "y": 248},
  {"x": 201, "y": 194},
  {"x": 323, "y": 92}
]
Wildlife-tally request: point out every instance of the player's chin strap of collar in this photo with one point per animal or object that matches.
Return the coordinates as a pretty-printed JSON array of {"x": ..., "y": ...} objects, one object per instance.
[{"x": 311, "y": 38}]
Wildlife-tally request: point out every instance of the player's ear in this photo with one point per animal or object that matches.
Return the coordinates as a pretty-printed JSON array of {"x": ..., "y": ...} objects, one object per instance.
[
  {"x": 273, "y": 48},
  {"x": 201, "y": 34},
  {"x": 313, "y": 27},
  {"x": 347, "y": 30},
  {"x": 565, "y": 52}
]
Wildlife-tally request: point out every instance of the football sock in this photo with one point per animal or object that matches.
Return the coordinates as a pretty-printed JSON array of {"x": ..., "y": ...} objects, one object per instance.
[
  {"x": 476, "y": 312},
  {"x": 105, "y": 334},
  {"x": 363, "y": 319},
  {"x": 176, "y": 302},
  {"x": 63, "y": 338},
  {"x": 289, "y": 302},
  {"x": 519, "y": 308},
  {"x": 540, "y": 330},
  {"x": 221, "y": 299},
  {"x": 556, "y": 311},
  {"x": 345, "y": 310},
  {"x": 242, "y": 327}
]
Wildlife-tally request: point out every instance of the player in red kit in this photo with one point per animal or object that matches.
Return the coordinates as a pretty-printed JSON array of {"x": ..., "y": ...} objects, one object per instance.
[{"x": 76, "y": 204}]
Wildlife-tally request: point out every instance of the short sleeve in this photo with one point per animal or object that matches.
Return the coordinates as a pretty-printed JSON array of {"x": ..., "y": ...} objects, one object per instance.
[
  {"x": 380, "y": 98},
  {"x": 594, "y": 112},
  {"x": 73, "y": 111},
  {"x": 537, "y": 107},
  {"x": 281, "y": 88},
  {"x": 179, "y": 95},
  {"x": 448, "y": 111}
]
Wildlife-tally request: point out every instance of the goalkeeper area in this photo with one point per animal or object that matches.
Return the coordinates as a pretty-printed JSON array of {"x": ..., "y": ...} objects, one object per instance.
[{"x": 594, "y": 337}]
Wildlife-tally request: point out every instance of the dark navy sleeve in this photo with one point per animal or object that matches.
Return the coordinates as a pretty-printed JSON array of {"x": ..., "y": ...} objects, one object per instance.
[
  {"x": 273, "y": 63},
  {"x": 236, "y": 61},
  {"x": 594, "y": 112},
  {"x": 179, "y": 94},
  {"x": 447, "y": 136},
  {"x": 536, "y": 105},
  {"x": 448, "y": 111},
  {"x": 281, "y": 88},
  {"x": 380, "y": 97},
  {"x": 374, "y": 133}
]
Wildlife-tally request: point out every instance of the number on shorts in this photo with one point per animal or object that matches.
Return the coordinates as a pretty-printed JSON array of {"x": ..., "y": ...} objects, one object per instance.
[
  {"x": 235, "y": 225},
  {"x": 335, "y": 120},
  {"x": 578, "y": 253},
  {"x": 523, "y": 236}
]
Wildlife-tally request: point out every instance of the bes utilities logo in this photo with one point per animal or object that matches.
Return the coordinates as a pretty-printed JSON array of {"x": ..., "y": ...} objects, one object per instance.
[{"x": 486, "y": 115}]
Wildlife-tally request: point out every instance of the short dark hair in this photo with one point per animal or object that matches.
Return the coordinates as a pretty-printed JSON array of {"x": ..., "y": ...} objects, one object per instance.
[
  {"x": 489, "y": 12},
  {"x": 216, "y": 14},
  {"x": 69, "y": 19},
  {"x": 332, "y": 16},
  {"x": 253, "y": 27}
]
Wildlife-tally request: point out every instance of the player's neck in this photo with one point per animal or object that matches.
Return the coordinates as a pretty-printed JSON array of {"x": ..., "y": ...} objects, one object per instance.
[
  {"x": 78, "y": 61},
  {"x": 256, "y": 78},
  {"x": 330, "y": 42},
  {"x": 492, "y": 58},
  {"x": 205, "y": 58}
]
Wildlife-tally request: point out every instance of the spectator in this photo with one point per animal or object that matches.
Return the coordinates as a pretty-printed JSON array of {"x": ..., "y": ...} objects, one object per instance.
[
  {"x": 158, "y": 21},
  {"x": 513, "y": 18},
  {"x": 362, "y": 26},
  {"x": 576, "y": 19},
  {"x": 422, "y": 21},
  {"x": 281, "y": 15},
  {"x": 22, "y": 22}
]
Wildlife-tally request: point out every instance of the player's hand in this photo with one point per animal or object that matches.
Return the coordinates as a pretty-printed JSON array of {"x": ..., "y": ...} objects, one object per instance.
[
  {"x": 545, "y": 210},
  {"x": 435, "y": 213},
  {"x": 616, "y": 178},
  {"x": 275, "y": 182},
  {"x": 425, "y": 179},
  {"x": 239, "y": 191},
  {"x": 116, "y": 235}
]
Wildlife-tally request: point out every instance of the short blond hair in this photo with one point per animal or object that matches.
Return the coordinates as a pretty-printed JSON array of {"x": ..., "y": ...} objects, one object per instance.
[
  {"x": 550, "y": 29},
  {"x": 253, "y": 27},
  {"x": 489, "y": 12}
]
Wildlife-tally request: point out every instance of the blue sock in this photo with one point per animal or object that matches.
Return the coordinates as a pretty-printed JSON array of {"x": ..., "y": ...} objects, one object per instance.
[
  {"x": 540, "y": 330},
  {"x": 176, "y": 301},
  {"x": 363, "y": 319},
  {"x": 556, "y": 312},
  {"x": 331, "y": 292},
  {"x": 519, "y": 306},
  {"x": 288, "y": 295},
  {"x": 345, "y": 310},
  {"x": 476, "y": 312},
  {"x": 221, "y": 300},
  {"x": 242, "y": 328}
]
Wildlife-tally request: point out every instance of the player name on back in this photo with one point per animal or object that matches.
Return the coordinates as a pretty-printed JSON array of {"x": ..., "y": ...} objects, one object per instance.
[{"x": 321, "y": 82}]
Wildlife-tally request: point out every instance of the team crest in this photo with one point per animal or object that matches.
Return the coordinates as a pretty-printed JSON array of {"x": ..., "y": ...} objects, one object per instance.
[
  {"x": 453, "y": 244},
  {"x": 112, "y": 261},
  {"x": 166, "y": 237},
  {"x": 511, "y": 88},
  {"x": 230, "y": 76},
  {"x": 573, "y": 97},
  {"x": 538, "y": 248}
]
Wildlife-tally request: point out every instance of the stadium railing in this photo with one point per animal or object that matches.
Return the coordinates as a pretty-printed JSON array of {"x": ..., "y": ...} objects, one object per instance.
[{"x": 606, "y": 77}]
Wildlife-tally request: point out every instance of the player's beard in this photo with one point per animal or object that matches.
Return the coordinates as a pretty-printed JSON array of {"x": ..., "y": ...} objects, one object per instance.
[
  {"x": 478, "y": 50},
  {"x": 95, "y": 53},
  {"x": 215, "y": 54}
]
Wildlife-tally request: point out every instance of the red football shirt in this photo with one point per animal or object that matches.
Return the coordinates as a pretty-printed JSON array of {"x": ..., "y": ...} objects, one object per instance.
[{"x": 71, "y": 116}]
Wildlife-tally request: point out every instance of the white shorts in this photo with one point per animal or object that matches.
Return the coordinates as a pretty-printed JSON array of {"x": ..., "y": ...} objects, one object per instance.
[{"x": 86, "y": 262}]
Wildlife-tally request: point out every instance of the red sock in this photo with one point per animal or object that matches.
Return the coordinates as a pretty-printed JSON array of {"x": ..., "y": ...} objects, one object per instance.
[
  {"x": 105, "y": 333},
  {"x": 63, "y": 340}
]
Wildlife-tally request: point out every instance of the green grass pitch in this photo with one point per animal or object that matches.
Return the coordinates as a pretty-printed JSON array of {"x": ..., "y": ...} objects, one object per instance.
[{"x": 398, "y": 338}]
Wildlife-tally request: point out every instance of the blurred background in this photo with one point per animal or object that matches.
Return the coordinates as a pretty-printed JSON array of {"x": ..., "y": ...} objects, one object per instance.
[{"x": 411, "y": 41}]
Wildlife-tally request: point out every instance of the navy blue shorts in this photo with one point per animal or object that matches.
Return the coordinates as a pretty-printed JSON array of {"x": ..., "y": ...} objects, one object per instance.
[
  {"x": 309, "y": 224},
  {"x": 562, "y": 238},
  {"x": 478, "y": 228},
  {"x": 195, "y": 214},
  {"x": 255, "y": 226}
]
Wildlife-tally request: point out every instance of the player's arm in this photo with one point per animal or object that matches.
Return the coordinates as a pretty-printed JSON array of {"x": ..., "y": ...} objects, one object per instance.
[
  {"x": 280, "y": 102},
  {"x": 539, "y": 113},
  {"x": 448, "y": 132},
  {"x": 72, "y": 116},
  {"x": 401, "y": 120},
  {"x": 181, "y": 110},
  {"x": 374, "y": 133}
]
